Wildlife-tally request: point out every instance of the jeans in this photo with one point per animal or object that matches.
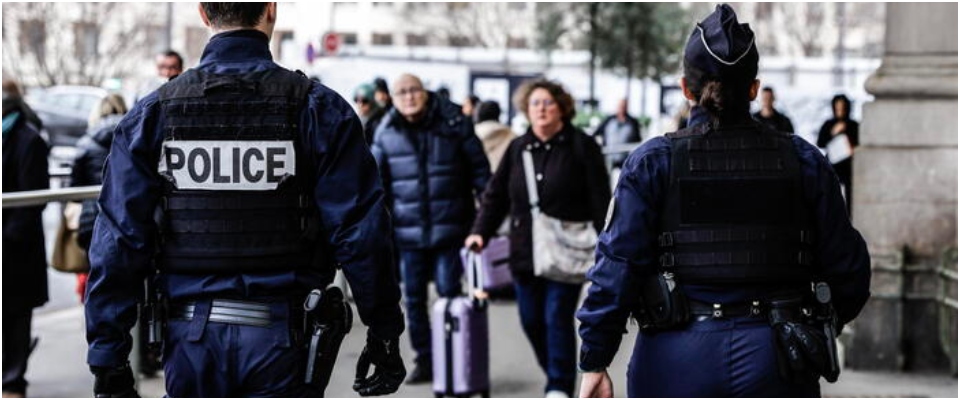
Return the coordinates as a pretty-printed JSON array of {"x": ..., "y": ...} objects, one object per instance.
[
  {"x": 419, "y": 266},
  {"x": 546, "y": 312}
]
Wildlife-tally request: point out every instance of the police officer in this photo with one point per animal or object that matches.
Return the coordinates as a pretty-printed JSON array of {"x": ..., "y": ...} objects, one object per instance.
[
  {"x": 714, "y": 238},
  {"x": 262, "y": 186}
]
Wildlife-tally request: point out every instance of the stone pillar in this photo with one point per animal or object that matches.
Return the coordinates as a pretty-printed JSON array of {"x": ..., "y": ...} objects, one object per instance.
[{"x": 905, "y": 200}]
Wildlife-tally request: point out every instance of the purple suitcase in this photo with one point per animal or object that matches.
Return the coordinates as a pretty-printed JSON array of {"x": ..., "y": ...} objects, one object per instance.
[
  {"x": 494, "y": 264},
  {"x": 460, "y": 340}
]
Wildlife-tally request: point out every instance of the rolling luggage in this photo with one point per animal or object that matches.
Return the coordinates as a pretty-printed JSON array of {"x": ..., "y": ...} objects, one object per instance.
[
  {"x": 460, "y": 340},
  {"x": 494, "y": 264}
]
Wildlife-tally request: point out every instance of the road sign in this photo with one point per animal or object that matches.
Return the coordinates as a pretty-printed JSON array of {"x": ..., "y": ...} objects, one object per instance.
[{"x": 331, "y": 43}]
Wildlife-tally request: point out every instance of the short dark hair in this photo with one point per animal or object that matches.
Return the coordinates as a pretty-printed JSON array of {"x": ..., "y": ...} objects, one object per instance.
[
  {"x": 768, "y": 89},
  {"x": 174, "y": 54},
  {"x": 242, "y": 15},
  {"x": 488, "y": 111}
]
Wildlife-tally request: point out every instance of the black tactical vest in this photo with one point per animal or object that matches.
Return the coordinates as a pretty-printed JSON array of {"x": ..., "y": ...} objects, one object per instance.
[
  {"x": 734, "y": 208},
  {"x": 235, "y": 199}
]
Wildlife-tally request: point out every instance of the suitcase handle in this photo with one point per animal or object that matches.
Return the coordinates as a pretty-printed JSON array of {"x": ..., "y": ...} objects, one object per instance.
[{"x": 475, "y": 277}]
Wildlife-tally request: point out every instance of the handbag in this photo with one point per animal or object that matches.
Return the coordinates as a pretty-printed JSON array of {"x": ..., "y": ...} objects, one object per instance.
[
  {"x": 563, "y": 251},
  {"x": 68, "y": 256}
]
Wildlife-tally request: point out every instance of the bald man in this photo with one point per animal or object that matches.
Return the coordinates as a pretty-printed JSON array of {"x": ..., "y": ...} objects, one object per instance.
[{"x": 434, "y": 170}]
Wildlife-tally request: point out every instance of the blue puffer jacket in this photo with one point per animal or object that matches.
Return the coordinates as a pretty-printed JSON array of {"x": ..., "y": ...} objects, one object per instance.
[{"x": 433, "y": 172}]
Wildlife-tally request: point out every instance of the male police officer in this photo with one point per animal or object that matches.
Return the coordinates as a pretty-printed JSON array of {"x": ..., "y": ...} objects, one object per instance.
[{"x": 263, "y": 185}]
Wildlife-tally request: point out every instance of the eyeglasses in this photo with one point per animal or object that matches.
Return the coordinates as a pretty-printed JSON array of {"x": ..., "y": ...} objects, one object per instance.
[
  {"x": 360, "y": 100},
  {"x": 544, "y": 102},
  {"x": 411, "y": 91}
]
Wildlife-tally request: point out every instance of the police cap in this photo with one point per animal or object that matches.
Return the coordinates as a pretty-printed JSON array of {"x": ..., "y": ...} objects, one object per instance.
[{"x": 721, "y": 47}]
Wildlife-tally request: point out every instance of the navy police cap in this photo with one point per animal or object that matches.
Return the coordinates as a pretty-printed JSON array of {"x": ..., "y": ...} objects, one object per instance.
[{"x": 720, "y": 46}]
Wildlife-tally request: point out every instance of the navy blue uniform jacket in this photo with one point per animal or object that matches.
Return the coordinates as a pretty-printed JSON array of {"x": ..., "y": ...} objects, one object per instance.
[
  {"x": 628, "y": 245},
  {"x": 348, "y": 193}
]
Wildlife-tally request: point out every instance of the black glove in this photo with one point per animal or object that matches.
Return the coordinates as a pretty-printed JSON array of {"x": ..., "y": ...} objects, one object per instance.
[
  {"x": 113, "y": 382},
  {"x": 389, "y": 372},
  {"x": 803, "y": 354}
]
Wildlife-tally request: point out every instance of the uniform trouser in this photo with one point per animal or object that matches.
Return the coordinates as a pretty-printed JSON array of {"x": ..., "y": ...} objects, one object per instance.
[
  {"x": 546, "y": 314},
  {"x": 711, "y": 358},
  {"x": 213, "y": 359},
  {"x": 16, "y": 349},
  {"x": 418, "y": 266}
]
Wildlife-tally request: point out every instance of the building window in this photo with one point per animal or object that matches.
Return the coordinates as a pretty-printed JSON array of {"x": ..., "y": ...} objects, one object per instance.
[
  {"x": 349, "y": 38},
  {"x": 33, "y": 37},
  {"x": 382, "y": 39},
  {"x": 517, "y": 6},
  {"x": 282, "y": 43},
  {"x": 516, "y": 43},
  {"x": 458, "y": 41},
  {"x": 156, "y": 39},
  {"x": 86, "y": 36},
  {"x": 196, "y": 40},
  {"x": 414, "y": 40}
]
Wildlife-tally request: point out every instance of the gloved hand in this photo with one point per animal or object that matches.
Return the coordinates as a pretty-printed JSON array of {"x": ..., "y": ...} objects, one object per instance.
[
  {"x": 803, "y": 353},
  {"x": 384, "y": 354},
  {"x": 113, "y": 382}
]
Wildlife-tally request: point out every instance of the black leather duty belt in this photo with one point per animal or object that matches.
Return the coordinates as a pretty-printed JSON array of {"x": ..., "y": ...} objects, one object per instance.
[
  {"x": 717, "y": 310},
  {"x": 234, "y": 312}
]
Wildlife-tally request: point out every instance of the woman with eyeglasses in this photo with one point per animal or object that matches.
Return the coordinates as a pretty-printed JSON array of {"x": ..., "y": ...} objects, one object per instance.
[{"x": 572, "y": 186}]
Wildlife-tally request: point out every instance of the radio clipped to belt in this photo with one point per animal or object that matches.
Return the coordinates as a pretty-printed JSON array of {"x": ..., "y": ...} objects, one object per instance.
[{"x": 327, "y": 320}]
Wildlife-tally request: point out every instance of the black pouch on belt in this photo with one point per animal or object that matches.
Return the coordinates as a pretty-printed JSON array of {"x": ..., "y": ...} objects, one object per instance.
[{"x": 664, "y": 304}]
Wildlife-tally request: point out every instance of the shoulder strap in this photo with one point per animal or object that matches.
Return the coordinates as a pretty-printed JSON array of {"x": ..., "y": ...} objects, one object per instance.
[{"x": 530, "y": 176}]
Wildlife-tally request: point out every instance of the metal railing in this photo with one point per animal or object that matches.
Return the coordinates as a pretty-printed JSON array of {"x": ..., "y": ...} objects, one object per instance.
[{"x": 40, "y": 197}]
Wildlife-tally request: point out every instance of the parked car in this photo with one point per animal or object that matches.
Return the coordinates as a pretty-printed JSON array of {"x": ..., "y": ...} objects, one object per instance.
[{"x": 64, "y": 111}]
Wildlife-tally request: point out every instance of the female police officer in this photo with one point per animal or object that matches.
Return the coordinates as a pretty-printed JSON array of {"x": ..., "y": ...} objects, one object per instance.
[{"x": 713, "y": 239}]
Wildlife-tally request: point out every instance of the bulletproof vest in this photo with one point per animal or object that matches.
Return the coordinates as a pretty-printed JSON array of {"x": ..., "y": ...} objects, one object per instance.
[
  {"x": 734, "y": 211},
  {"x": 234, "y": 199}
]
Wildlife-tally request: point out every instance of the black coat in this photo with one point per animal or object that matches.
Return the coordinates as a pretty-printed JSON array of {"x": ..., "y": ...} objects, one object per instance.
[
  {"x": 575, "y": 186},
  {"x": 433, "y": 173},
  {"x": 844, "y": 169},
  {"x": 24, "y": 256},
  {"x": 92, "y": 151}
]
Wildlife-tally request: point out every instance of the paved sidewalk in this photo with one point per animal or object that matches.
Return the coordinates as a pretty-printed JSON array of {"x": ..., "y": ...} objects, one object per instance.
[{"x": 57, "y": 368}]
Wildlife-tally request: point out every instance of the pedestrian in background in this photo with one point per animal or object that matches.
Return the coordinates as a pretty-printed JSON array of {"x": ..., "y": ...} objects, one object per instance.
[
  {"x": 368, "y": 110},
  {"x": 434, "y": 170},
  {"x": 237, "y": 251},
  {"x": 619, "y": 128},
  {"x": 716, "y": 264},
  {"x": 839, "y": 137},
  {"x": 469, "y": 107},
  {"x": 572, "y": 184},
  {"x": 169, "y": 64},
  {"x": 24, "y": 257},
  {"x": 382, "y": 94},
  {"x": 770, "y": 116},
  {"x": 496, "y": 137}
]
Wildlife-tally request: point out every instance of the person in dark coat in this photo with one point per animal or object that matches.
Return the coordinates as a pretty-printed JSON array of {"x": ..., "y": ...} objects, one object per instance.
[
  {"x": 24, "y": 258},
  {"x": 368, "y": 110},
  {"x": 770, "y": 116},
  {"x": 573, "y": 186},
  {"x": 434, "y": 169},
  {"x": 236, "y": 251},
  {"x": 841, "y": 124},
  {"x": 716, "y": 264},
  {"x": 619, "y": 128}
]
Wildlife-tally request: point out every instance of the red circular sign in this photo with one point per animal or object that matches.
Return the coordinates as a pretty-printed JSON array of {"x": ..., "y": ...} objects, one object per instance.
[{"x": 331, "y": 43}]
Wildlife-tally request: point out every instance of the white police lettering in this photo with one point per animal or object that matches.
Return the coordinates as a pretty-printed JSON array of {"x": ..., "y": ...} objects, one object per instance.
[{"x": 227, "y": 165}]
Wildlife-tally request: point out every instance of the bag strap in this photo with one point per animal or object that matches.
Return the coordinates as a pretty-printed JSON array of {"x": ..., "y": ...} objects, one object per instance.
[{"x": 530, "y": 176}]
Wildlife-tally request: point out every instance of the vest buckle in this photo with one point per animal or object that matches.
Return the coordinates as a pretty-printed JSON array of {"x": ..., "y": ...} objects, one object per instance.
[{"x": 667, "y": 260}]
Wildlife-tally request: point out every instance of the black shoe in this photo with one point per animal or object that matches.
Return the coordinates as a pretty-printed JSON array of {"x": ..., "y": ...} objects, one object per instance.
[{"x": 422, "y": 373}]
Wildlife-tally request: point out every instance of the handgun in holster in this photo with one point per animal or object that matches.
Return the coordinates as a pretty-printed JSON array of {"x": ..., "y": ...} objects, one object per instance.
[
  {"x": 826, "y": 316},
  {"x": 154, "y": 310},
  {"x": 327, "y": 319}
]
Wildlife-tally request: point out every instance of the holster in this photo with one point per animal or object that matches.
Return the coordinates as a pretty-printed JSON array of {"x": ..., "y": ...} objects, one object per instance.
[
  {"x": 805, "y": 334},
  {"x": 663, "y": 305},
  {"x": 327, "y": 320}
]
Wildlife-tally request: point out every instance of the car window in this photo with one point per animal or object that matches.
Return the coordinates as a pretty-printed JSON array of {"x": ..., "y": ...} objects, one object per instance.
[{"x": 87, "y": 103}]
